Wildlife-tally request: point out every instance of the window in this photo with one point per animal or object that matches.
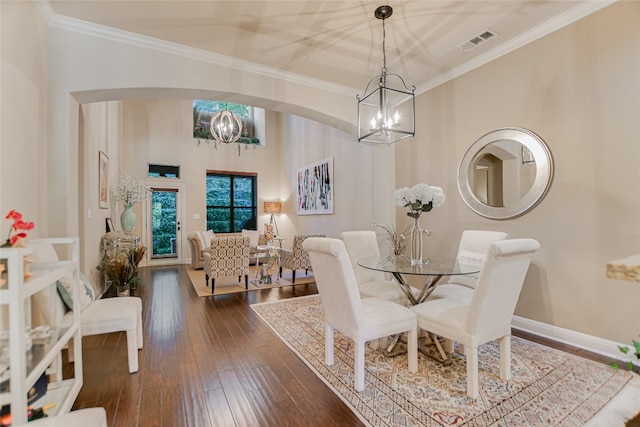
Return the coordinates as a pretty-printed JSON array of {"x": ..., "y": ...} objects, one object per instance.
[
  {"x": 231, "y": 201},
  {"x": 204, "y": 109},
  {"x": 164, "y": 171}
]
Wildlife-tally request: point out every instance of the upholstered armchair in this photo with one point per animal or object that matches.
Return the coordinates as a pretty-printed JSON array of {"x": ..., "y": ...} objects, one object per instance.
[
  {"x": 197, "y": 249},
  {"x": 228, "y": 256},
  {"x": 484, "y": 315},
  {"x": 362, "y": 320},
  {"x": 296, "y": 258}
]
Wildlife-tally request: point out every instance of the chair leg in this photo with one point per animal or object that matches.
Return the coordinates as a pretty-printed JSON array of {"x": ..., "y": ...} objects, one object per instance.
[
  {"x": 359, "y": 366},
  {"x": 280, "y": 272},
  {"x": 139, "y": 338},
  {"x": 246, "y": 281},
  {"x": 132, "y": 350},
  {"x": 239, "y": 278},
  {"x": 412, "y": 350},
  {"x": 505, "y": 358},
  {"x": 328, "y": 344},
  {"x": 213, "y": 283},
  {"x": 472, "y": 372},
  {"x": 70, "y": 353},
  {"x": 206, "y": 279},
  {"x": 293, "y": 276}
]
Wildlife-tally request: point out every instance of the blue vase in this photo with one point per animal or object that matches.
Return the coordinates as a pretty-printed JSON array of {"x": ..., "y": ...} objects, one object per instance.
[{"x": 128, "y": 220}]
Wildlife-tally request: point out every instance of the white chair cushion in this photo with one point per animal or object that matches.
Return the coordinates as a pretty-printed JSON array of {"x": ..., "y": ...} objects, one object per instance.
[
  {"x": 88, "y": 417},
  {"x": 109, "y": 315},
  {"x": 386, "y": 290}
]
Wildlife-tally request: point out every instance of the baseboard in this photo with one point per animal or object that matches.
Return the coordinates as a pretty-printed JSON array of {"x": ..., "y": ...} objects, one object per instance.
[{"x": 577, "y": 339}]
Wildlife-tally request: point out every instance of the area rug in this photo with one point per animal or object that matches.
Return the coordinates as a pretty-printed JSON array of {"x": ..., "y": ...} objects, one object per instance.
[
  {"x": 228, "y": 285},
  {"x": 548, "y": 387}
]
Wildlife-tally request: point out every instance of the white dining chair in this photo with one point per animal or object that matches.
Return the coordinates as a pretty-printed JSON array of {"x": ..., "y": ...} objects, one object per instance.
[
  {"x": 360, "y": 319},
  {"x": 475, "y": 318},
  {"x": 371, "y": 283}
]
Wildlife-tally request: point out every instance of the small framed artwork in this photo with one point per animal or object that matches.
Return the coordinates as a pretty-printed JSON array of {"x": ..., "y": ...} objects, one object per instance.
[
  {"x": 103, "y": 180},
  {"x": 315, "y": 188},
  {"x": 109, "y": 225}
]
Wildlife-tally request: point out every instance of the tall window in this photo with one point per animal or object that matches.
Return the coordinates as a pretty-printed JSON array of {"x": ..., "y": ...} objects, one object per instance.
[{"x": 231, "y": 201}]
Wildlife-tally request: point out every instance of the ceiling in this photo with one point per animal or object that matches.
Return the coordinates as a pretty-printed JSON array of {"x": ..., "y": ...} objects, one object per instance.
[{"x": 339, "y": 42}]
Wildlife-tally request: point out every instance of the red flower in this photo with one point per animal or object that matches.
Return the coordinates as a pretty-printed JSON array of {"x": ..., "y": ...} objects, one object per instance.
[{"x": 18, "y": 224}]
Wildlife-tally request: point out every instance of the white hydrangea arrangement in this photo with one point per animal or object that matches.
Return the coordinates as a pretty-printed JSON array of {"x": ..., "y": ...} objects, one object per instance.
[
  {"x": 419, "y": 198},
  {"x": 130, "y": 191}
]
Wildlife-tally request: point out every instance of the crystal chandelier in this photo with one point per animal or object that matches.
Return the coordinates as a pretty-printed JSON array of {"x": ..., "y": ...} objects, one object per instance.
[
  {"x": 386, "y": 114},
  {"x": 226, "y": 127}
]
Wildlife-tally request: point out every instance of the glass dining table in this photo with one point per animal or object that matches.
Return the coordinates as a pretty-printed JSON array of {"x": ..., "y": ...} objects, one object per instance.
[{"x": 433, "y": 270}]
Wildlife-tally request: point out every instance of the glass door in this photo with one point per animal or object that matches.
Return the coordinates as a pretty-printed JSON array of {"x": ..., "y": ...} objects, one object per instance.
[{"x": 164, "y": 226}]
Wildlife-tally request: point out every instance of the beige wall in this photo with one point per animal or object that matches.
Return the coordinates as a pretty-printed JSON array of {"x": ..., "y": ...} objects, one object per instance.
[
  {"x": 579, "y": 89},
  {"x": 23, "y": 115}
]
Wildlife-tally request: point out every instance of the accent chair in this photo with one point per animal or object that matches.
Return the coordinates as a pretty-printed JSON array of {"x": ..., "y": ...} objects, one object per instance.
[
  {"x": 483, "y": 315},
  {"x": 296, "y": 258},
  {"x": 228, "y": 256},
  {"x": 361, "y": 319},
  {"x": 371, "y": 283}
]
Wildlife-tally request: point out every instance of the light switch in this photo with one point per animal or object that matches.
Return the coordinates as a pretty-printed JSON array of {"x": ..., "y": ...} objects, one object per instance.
[{"x": 196, "y": 216}]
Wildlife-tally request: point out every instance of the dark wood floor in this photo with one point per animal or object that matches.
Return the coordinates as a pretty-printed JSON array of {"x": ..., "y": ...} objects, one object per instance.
[{"x": 210, "y": 362}]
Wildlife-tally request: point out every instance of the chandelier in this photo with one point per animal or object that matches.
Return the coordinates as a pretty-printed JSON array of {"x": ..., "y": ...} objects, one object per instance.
[
  {"x": 387, "y": 114},
  {"x": 225, "y": 126}
]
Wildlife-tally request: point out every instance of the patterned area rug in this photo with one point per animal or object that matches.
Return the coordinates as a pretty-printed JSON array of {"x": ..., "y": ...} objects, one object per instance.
[
  {"x": 229, "y": 285},
  {"x": 548, "y": 387}
]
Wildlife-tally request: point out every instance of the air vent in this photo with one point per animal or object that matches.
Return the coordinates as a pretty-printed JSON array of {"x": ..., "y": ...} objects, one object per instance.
[{"x": 477, "y": 40}]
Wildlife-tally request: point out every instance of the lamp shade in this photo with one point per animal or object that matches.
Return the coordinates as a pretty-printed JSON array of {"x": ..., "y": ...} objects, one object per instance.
[{"x": 272, "y": 207}]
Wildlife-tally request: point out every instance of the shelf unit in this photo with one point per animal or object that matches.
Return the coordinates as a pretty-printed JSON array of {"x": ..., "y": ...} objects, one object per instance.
[{"x": 15, "y": 297}]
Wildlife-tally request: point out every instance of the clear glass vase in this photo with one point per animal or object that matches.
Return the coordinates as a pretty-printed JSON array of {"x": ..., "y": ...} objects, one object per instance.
[{"x": 416, "y": 242}]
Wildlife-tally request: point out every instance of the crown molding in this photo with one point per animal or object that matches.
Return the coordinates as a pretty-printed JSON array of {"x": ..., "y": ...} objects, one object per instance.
[
  {"x": 120, "y": 36},
  {"x": 584, "y": 9}
]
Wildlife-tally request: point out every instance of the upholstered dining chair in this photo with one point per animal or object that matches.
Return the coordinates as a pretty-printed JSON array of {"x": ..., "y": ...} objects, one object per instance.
[
  {"x": 361, "y": 320},
  {"x": 296, "y": 258},
  {"x": 371, "y": 283},
  {"x": 228, "y": 256},
  {"x": 484, "y": 315}
]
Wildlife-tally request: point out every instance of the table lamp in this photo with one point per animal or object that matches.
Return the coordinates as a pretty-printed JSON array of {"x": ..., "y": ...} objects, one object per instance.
[{"x": 273, "y": 208}]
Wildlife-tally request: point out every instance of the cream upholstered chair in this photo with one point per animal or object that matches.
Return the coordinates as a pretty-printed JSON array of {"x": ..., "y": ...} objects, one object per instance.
[
  {"x": 99, "y": 316},
  {"x": 87, "y": 417},
  {"x": 228, "y": 256},
  {"x": 371, "y": 283},
  {"x": 361, "y": 320},
  {"x": 472, "y": 250},
  {"x": 296, "y": 258},
  {"x": 485, "y": 314}
]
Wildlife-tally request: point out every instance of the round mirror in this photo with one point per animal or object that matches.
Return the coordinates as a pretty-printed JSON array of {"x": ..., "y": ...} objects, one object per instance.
[{"x": 505, "y": 173}]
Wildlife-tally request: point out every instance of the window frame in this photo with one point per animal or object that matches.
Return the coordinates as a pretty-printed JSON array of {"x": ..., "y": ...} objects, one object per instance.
[{"x": 231, "y": 208}]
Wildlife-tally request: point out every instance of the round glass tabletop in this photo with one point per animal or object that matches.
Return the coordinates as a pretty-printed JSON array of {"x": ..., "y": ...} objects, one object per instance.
[{"x": 434, "y": 266}]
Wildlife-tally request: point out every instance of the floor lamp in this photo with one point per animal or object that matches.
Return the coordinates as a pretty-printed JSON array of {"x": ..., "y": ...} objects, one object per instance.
[{"x": 273, "y": 208}]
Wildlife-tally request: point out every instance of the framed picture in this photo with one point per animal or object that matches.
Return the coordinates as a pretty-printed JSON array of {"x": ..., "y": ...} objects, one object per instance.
[
  {"x": 315, "y": 188},
  {"x": 109, "y": 225},
  {"x": 103, "y": 180}
]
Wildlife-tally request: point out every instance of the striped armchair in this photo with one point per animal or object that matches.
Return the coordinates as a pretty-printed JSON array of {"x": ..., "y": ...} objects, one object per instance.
[
  {"x": 296, "y": 258},
  {"x": 228, "y": 256}
]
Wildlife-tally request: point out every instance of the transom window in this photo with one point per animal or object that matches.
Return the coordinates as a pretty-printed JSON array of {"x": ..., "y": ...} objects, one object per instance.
[{"x": 231, "y": 201}]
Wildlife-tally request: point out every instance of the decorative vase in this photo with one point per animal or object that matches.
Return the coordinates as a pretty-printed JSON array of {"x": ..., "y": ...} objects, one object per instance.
[
  {"x": 416, "y": 242},
  {"x": 122, "y": 289},
  {"x": 128, "y": 220}
]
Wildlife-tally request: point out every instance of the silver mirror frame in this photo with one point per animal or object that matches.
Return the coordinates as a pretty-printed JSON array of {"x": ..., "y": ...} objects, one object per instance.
[{"x": 541, "y": 184}]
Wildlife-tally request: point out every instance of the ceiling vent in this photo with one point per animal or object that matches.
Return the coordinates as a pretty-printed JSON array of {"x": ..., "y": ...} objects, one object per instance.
[{"x": 477, "y": 40}]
